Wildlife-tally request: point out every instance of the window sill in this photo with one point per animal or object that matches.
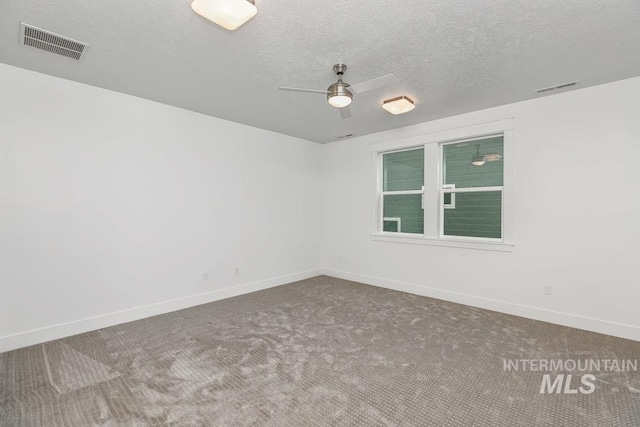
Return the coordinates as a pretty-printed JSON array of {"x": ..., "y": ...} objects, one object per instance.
[{"x": 496, "y": 246}]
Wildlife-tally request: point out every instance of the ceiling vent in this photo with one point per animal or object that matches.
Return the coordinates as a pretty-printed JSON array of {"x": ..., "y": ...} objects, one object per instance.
[
  {"x": 51, "y": 42},
  {"x": 560, "y": 86}
]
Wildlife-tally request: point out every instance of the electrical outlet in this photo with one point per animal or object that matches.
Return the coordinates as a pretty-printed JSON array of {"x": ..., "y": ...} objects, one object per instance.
[
  {"x": 205, "y": 277},
  {"x": 548, "y": 290},
  {"x": 236, "y": 271}
]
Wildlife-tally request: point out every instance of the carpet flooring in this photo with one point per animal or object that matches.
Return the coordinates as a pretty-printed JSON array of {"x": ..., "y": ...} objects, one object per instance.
[{"x": 321, "y": 352}]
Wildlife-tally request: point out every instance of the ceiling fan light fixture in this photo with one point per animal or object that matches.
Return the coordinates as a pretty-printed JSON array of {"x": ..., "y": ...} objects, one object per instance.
[
  {"x": 338, "y": 95},
  {"x": 399, "y": 105},
  {"x": 478, "y": 159},
  {"x": 229, "y": 14},
  {"x": 339, "y": 101}
]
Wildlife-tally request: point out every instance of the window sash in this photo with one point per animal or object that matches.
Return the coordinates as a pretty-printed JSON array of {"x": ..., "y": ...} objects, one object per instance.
[
  {"x": 399, "y": 193},
  {"x": 384, "y": 171},
  {"x": 453, "y": 189},
  {"x": 467, "y": 141},
  {"x": 468, "y": 190}
]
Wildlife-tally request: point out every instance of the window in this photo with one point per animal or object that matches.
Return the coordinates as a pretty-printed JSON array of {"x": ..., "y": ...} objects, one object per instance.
[
  {"x": 402, "y": 191},
  {"x": 448, "y": 188},
  {"x": 477, "y": 188}
]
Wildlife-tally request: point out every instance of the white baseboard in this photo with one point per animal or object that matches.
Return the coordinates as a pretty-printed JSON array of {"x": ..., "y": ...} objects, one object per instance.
[
  {"x": 565, "y": 319},
  {"x": 36, "y": 336}
]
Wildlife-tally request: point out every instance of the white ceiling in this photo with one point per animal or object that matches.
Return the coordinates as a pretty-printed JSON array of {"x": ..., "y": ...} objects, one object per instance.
[{"x": 450, "y": 56}]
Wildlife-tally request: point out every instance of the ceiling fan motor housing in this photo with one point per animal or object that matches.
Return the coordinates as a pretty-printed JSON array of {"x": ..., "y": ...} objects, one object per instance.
[
  {"x": 337, "y": 94},
  {"x": 339, "y": 89}
]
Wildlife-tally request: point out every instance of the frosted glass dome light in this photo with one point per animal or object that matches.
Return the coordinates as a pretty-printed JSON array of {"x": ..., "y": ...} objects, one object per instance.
[
  {"x": 338, "y": 95},
  {"x": 229, "y": 14}
]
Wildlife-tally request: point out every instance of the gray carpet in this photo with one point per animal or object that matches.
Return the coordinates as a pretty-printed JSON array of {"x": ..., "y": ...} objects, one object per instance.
[{"x": 321, "y": 352}]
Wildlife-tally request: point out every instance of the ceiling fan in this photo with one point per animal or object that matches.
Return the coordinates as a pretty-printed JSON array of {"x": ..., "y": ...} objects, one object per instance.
[
  {"x": 479, "y": 159},
  {"x": 340, "y": 94}
]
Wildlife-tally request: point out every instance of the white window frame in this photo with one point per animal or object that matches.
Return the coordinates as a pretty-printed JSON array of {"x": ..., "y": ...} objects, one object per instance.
[
  {"x": 452, "y": 203},
  {"x": 395, "y": 219},
  {"x": 382, "y": 193},
  {"x": 433, "y": 191}
]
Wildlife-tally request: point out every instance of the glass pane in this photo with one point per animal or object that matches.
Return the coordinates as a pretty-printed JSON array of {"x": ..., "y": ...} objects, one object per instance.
[
  {"x": 403, "y": 170},
  {"x": 475, "y": 215},
  {"x": 391, "y": 224},
  {"x": 448, "y": 200},
  {"x": 403, "y": 213},
  {"x": 458, "y": 169}
]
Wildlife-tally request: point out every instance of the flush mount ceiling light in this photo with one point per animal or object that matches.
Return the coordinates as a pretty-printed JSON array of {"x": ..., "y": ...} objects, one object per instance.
[
  {"x": 398, "y": 105},
  {"x": 229, "y": 14}
]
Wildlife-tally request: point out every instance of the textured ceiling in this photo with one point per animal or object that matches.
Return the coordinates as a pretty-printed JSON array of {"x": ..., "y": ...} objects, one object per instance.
[{"x": 450, "y": 56}]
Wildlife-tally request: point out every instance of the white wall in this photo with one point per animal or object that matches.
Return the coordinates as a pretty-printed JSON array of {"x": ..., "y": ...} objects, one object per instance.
[
  {"x": 110, "y": 203},
  {"x": 112, "y": 207},
  {"x": 576, "y": 221}
]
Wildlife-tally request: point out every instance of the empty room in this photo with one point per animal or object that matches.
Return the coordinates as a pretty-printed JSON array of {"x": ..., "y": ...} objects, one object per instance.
[{"x": 286, "y": 213}]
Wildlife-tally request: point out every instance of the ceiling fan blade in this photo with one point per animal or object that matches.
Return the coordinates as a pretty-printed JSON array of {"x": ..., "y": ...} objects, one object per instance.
[
  {"x": 373, "y": 84},
  {"x": 492, "y": 157},
  {"x": 345, "y": 112},
  {"x": 297, "y": 89}
]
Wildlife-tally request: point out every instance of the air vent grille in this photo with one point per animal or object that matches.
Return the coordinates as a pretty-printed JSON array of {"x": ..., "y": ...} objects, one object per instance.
[
  {"x": 560, "y": 86},
  {"x": 51, "y": 42},
  {"x": 546, "y": 89}
]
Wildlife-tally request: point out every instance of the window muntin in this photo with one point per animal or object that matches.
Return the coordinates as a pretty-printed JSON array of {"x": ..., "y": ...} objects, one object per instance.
[{"x": 402, "y": 191}]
